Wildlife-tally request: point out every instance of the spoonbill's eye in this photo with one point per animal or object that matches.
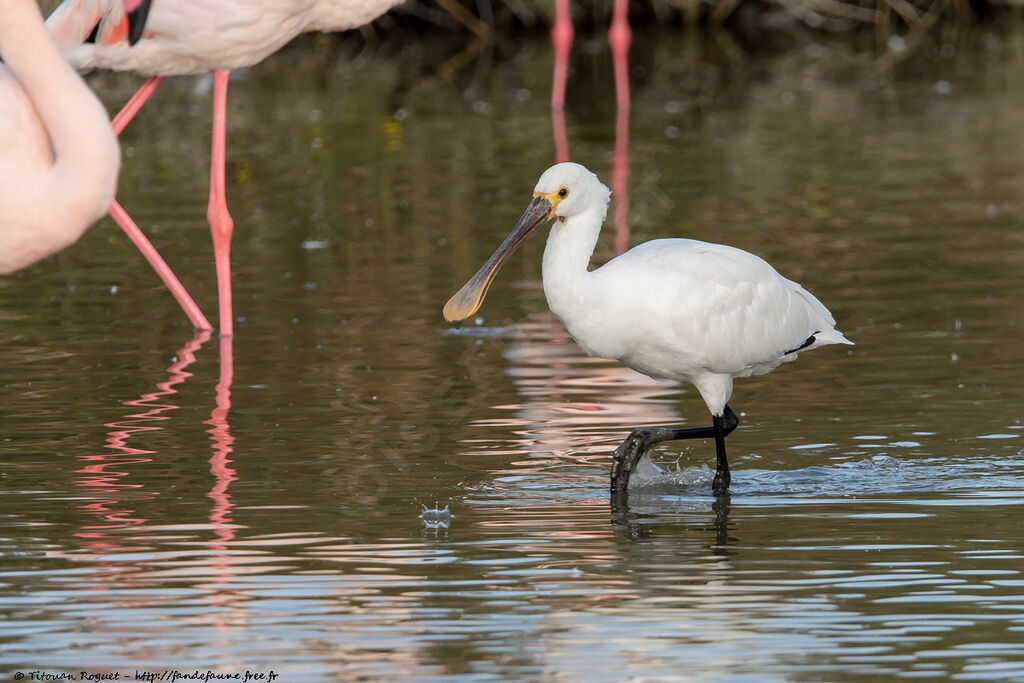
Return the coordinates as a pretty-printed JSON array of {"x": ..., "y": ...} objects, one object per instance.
[{"x": 563, "y": 193}]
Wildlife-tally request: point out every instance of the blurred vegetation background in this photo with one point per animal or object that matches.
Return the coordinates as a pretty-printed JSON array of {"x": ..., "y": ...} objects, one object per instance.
[
  {"x": 881, "y": 22},
  {"x": 890, "y": 30},
  {"x": 748, "y": 18}
]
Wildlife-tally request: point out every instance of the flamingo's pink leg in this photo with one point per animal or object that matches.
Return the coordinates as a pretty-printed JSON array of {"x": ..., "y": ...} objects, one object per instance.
[
  {"x": 122, "y": 218},
  {"x": 620, "y": 180},
  {"x": 132, "y": 106},
  {"x": 619, "y": 37},
  {"x": 217, "y": 214},
  {"x": 136, "y": 235},
  {"x": 561, "y": 137},
  {"x": 561, "y": 37}
]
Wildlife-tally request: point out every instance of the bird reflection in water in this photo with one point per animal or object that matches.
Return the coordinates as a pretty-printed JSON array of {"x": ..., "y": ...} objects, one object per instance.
[
  {"x": 105, "y": 481},
  {"x": 574, "y": 405},
  {"x": 222, "y": 595},
  {"x": 637, "y": 519},
  {"x": 223, "y": 445},
  {"x": 570, "y": 417}
]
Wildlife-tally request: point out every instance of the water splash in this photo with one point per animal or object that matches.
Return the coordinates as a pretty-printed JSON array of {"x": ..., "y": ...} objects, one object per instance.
[
  {"x": 651, "y": 477},
  {"x": 436, "y": 518}
]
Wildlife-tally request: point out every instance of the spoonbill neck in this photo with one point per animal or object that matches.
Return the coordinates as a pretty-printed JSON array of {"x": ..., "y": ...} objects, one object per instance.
[{"x": 565, "y": 267}]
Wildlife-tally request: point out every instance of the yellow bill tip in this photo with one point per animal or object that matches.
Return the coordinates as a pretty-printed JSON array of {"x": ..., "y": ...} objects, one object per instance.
[{"x": 463, "y": 304}]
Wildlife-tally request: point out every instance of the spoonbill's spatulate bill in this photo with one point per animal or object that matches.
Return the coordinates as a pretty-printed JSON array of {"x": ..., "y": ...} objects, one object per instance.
[{"x": 670, "y": 308}]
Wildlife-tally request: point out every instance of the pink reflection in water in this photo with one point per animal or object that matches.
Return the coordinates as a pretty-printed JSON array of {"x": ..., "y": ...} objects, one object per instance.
[
  {"x": 221, "y": 594},
  {"x": 223, "y": 445},
  {"x": 574, "y": 407},
  {"x": 106, "y": 480}
]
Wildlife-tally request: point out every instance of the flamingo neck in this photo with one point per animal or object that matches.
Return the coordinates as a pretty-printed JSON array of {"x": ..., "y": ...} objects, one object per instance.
[{"x": 565, "y": 267}]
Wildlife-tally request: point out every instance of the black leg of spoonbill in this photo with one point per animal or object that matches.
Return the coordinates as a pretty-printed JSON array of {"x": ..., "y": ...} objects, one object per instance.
[
  {"x": 724, "y": 424},
  {"x": 629, "y": 452},
  {"x": 641, "y": 440}
]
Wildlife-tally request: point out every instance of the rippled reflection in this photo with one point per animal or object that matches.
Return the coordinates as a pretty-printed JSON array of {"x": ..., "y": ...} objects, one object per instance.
[
  {"x": 574, "y": 409},
  {"x": 106, "y": 482},
  {"x": 220, "y": 435}
]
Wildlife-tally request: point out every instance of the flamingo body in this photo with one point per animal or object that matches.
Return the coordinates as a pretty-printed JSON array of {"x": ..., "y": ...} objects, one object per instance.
[
  {"x": 199, "y": 36},
  {"x": 60, "y": 160}
]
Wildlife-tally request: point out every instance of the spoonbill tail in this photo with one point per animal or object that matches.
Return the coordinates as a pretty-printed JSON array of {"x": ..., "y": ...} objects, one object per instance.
[
  {"x": 183, "y": 37},
  {"x": 669, "y": 308},
  {"x": 59, "y": 160}
]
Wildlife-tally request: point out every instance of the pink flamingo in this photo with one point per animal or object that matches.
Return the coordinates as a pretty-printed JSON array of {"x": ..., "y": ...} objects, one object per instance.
[
  {"x": 58, "y": 170},
  {"x": 619, "y": 38},
  {"x": 195, "y": 37}
]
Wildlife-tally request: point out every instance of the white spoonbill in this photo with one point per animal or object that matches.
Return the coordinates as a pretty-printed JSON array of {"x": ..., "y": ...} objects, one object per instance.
[
  {"x": 195, "y": 37},
  {"x": 59, "y": 160},
  {"x": 670, "y": 308}
]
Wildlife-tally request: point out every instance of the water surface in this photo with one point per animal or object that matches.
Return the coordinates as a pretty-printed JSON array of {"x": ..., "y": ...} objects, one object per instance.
[{"x": 176, "y": 501}]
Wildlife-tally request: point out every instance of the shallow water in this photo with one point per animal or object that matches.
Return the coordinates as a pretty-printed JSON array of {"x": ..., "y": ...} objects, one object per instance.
[{"x": 172, "y": 501}]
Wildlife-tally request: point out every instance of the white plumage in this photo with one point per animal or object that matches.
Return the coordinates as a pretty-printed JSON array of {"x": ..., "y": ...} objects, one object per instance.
[
  {"x": 686, "y": 310},
  {"x": 199, "y": 36},
  {"x": 670, "y": 308}
]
